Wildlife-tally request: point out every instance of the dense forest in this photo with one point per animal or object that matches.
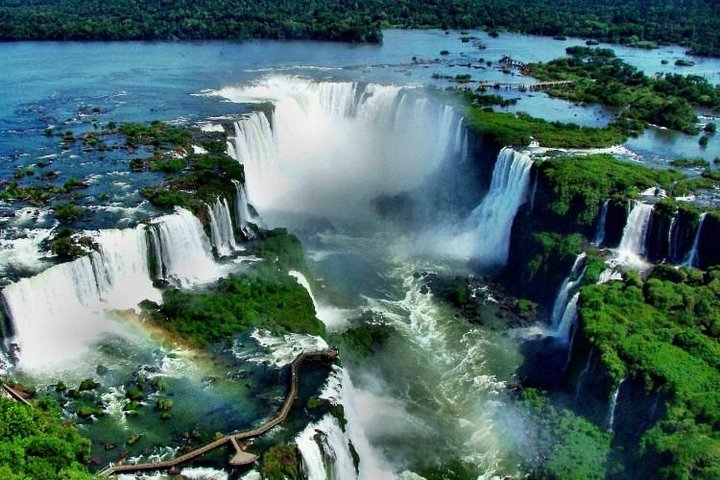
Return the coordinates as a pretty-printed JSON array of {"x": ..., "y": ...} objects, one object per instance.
[{"x": 692, "y": 23}]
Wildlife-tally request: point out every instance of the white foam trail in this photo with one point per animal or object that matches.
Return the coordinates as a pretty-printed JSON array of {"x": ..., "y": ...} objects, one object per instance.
[
  {"x": 458, "y": 355},
  {"x": 59, "y": 313},
  {"x": 185, "y": 250}
]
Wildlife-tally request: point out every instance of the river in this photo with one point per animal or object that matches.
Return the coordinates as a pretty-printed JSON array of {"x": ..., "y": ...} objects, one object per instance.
[{"x": 352, "y": 124}]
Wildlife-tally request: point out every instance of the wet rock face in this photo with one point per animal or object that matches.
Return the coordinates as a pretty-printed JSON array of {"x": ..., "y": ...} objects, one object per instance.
[{"x": 708, "y": 251}]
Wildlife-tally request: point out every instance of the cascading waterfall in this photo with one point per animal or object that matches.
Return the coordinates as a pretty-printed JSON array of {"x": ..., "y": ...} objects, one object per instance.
[
  {"x": 692, "y": 259},
  {"x": 221, "y": 228},
  {"x": 533, "y": 192},
  {"x": 568, "y": 285},
  {"x": 184, "y": 249},
  {"x": 325, "y": 451},
  {"x": 613, "y": 405},
  {"x": 600, "y": 233},
  {"x": 242, "y": 212},
  {"x": 491, "y": 222},
  {"x": 326, "y": 448},
  {"x": 583, "y": 373},
  {"x": 672, "y": 234},
  {"x": 634, "y": 239},
  {"x": 58, "y": 313},
  {"x": 564, "y": 309},
  {"x": 331, "y": 148},
  {"x": 332, "y": 317},
  {"x": 568, "y": 319}
]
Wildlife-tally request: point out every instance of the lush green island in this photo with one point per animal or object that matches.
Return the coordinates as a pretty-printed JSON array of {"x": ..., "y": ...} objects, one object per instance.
[
  {"x": 634, "y": 22},
  {"x": 599, "y": 77}
]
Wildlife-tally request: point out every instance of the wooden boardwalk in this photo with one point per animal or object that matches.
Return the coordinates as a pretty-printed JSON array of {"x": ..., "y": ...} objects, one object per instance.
[
  {"x": 14, "y": 394},
  {"x": 241, "y": 457}
]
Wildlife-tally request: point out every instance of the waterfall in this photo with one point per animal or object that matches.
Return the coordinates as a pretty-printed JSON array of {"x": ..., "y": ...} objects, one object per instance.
[
  {"x": 613, "y": 406},
  {"x": 582, "y": 375},
  {"x": 332, "y": 148},
  {"x": 492, "y": 220},
  {"x": 533, "y": 192},
  {"x": 221, "y": 228},
  {"x": 325, "y": 451},
  {"x": 635, "y": 233},
  {"x": 672, "y": 234},
  {"x": 600, "y": 233},
  {"x": 326, "y": 448},
  {"x": 242, "y": 212},
  {"x": 331, "y": 317},
  {"x": 569, "y": 284},
  {"x": 184, "y": 249},
  {"x": 564, "y": 310},
  {"x": 568, "y": 319},
  {"x": 58, "y": 313},
  {"x": 693, "y": 259}
]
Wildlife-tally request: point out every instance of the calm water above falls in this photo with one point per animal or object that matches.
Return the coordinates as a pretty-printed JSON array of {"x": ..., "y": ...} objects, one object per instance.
[{"x": 441, "y": 380}]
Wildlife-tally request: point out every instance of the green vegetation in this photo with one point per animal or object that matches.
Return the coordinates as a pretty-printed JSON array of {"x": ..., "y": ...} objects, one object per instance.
[
  {"x": 363, "y": 340},
  {"x": 581, "y": 184},
  {"x": 664, "y": 332},
  {"x": 67, "y": 246},
  {"x": 281, "y": 462},
  {"x": 567, "y": 447},
  {"x": 520, "y": 129},
  {"x": 633, "y": 22},
  {"x": 546, "y": 250},
  {"x": 68, "y": 212},
  {"x": 690, "y": 163},
  {"x": 35, "y": 443},
  {"x": 600, "y": 77},
  {"x": 157, "y": 134},
  {"x": 283, "y": 249},
  {"x": 263, "y": 297}
]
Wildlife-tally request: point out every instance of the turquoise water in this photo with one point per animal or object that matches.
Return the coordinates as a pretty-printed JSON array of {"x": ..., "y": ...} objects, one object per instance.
[{"x": 68, "y": 85}]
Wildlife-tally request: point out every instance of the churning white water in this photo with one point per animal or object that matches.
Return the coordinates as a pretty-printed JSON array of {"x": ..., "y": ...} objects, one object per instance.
[
  {"x": 330, "y": 148},
  {"x": 57, "y": 314}
]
